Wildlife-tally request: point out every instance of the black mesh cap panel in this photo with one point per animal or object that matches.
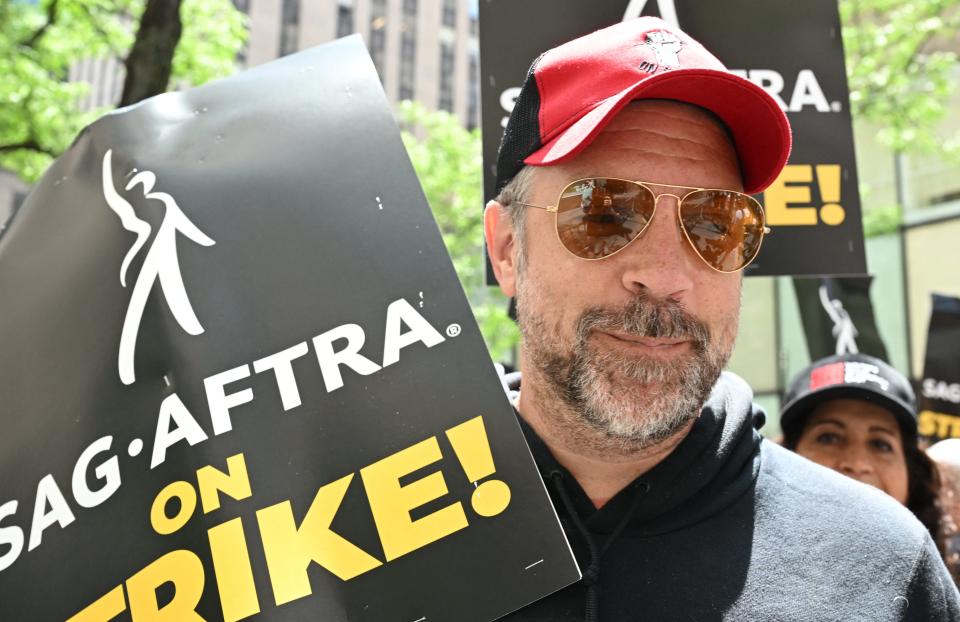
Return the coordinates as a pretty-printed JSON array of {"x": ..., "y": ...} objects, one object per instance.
[{"x": 522, "y": 135}]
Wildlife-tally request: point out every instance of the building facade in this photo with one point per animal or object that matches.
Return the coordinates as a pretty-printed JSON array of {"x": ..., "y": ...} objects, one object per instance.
[{"x": 424, "y": 50}]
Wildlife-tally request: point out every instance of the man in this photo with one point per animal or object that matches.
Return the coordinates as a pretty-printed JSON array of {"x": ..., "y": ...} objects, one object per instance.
[{"x": 672, "y": 502}]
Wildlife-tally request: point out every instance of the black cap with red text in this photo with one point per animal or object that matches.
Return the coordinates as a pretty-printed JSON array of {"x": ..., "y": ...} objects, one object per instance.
[
  {"x": 850, "y": 376},
  {"x": 572, "y": 91}
]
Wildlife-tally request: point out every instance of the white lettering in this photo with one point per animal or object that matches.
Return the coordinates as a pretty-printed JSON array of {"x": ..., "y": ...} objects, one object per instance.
[
  {"x": 769, "y": 80},
  {"x": 11, "y": 535},
  {"x": 420, "y": 330},
  {"x": 330, "y": 361},
  {"x": 806, "y": 89},
  {"x": 220, "y": 403},
  {"x": 807, "y": 92},
  {"x": 508, "y": 99},
  {"x": 172, "y": 410},
  {"x": 940, "y": 390},
  {"x": 667, "y": 8},
  {"x": 281, "y": 364},
  {"x": 108, "y": 471},
  {"x": 48, "y": 493}
]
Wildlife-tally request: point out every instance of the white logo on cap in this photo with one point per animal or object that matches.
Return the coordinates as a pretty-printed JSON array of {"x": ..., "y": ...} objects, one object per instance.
[
  {"x": 666, "y": 46},
  {"x": 859, "y": 373},
  {"x": 159, "y": 264}
]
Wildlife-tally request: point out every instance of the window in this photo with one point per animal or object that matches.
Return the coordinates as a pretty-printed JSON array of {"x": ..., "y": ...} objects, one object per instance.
[
  {"x": 446, "y": 77},
  {"x": 408, "y": 49},
  {"x": 473, "y": 93},
  {"x": 289, "y": 26},
  {"x": 449, "y": 13},
  {"x": 473, "y": 10},
  {"x": 344, "y": 20},
  {"x": 408, "y": 53},
  {"x": 378, "y": 33}
]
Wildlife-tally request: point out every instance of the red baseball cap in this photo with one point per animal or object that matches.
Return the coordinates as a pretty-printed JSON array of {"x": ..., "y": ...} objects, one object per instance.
[{"x": 574, "y": 90}]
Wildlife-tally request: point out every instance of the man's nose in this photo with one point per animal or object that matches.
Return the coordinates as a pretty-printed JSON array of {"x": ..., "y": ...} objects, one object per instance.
[{"x": 659, "y": 262}]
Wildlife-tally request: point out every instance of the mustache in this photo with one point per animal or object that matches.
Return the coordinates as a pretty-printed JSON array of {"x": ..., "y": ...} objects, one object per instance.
[{"x": 645, "y": 316}]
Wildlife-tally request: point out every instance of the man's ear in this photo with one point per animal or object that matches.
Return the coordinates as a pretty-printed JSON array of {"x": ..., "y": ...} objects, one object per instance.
[{"x": 501, "y": 246}]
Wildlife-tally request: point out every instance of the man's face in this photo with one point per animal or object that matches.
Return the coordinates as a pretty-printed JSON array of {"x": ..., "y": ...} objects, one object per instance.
[{"x": 631, "y": 343}]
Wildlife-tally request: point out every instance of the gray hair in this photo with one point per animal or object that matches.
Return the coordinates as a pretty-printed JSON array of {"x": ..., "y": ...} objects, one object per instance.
[{"x": 514, "y": 194}]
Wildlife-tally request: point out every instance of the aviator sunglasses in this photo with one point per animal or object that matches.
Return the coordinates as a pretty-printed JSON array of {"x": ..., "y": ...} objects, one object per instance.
[{"x": 598, "y": 217}]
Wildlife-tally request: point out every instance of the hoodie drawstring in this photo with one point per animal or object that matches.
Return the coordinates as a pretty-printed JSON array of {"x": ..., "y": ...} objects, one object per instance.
[{"x": 591, "y": 576}]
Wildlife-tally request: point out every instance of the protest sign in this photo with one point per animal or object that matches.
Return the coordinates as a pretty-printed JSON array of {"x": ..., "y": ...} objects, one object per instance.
[
  {"x": 239, "y": 378},
  {"x": 791, "y": 49},
  {"x": 838, "y": 316},
  {"x": 939, "y": 390}
]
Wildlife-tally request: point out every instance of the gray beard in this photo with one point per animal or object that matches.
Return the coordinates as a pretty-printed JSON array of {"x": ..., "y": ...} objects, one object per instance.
[{"x": 629, "y": 402}]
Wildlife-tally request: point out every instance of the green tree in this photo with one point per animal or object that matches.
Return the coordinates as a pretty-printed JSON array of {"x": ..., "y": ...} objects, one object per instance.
[
  {"x": 902, "y": 69},
  {"x": 161, "y": 43},
  {"x": 448, "y": 161}
]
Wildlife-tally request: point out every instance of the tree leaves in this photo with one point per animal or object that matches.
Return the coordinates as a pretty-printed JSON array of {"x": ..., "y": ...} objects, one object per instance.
[
  {"x": 39, "y": 107},
  {"x": 902, "y": 70},
  {"x": 448, "y": 161}
]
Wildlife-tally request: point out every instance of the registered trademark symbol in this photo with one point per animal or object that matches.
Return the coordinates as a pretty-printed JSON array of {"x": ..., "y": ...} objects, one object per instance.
[{"x": 453, "y": 330}]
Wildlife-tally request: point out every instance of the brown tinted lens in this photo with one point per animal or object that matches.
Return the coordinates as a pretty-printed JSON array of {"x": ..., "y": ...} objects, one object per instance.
[
  {"x": 597, "y": 217},
  {"x": 725, "y": 228}
]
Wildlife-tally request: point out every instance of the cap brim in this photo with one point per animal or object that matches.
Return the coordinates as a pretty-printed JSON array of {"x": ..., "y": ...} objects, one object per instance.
[
  {"x": 796, "y": 411},
  {"x": 760, "y": 129}
]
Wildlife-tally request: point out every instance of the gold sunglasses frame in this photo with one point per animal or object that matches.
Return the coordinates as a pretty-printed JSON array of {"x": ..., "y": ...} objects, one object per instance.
[{"x": 555, "y": 210}]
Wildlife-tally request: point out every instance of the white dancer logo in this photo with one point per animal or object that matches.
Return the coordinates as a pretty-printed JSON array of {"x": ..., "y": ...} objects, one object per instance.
[
  {"x": 160, "y": 262},
  {"x": 668, "y": 11},
  {"x": 666, "y": 46},
  {"x": 843, "y": 327}
]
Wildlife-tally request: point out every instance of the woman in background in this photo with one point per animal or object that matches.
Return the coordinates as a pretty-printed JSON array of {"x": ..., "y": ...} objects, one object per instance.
[{"x": 857, "y": 415}]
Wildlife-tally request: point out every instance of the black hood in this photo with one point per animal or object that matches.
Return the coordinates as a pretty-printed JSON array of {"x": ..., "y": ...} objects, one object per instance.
[{"x": 711, "y": 468}]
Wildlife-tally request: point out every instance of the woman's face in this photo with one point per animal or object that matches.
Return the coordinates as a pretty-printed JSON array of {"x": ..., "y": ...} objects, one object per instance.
[{"x": 860, "y": 440}]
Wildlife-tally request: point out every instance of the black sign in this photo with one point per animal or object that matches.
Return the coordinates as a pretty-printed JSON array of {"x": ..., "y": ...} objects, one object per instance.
[
  {"x": 791, "y": 49},
  {"x": 939, "y": 390},
  {"x": 239, "y": 378},
  {"x": 838, "y": 317}
]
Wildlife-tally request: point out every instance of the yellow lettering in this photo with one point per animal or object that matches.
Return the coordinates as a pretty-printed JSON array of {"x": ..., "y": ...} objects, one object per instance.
[
  {"x": 289, "y": 549},
  {"x": 105, "y": 608},
  {"x": 165, "y": 525},
  {"x": 778, "y": 198},
  {"x": 211, "y": 481},
  {"x": 231, "y": 563},
  {"x": 182, "y": 568},
  {"x": 954, "y": 426},
  {"x": 391, "y": 503},
  {"x": 943, "y": 425},
  {"x": 927, "y": 423}
]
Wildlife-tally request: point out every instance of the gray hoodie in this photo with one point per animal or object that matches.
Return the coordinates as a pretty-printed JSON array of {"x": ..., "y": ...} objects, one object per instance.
[{"x": 733, "y": 527}]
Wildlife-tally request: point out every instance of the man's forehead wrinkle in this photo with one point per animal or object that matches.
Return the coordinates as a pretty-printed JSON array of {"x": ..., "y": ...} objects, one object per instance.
[
  {"x": 658, "y": 131},
  {"x": 675, "y": 112},
  {"x": 659, "y": 145},
  {"x": 583, "y": 172},
  {"x": 662, "y": 144}
]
